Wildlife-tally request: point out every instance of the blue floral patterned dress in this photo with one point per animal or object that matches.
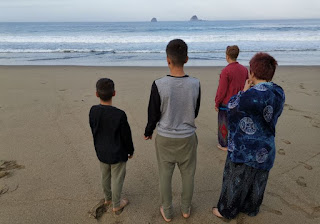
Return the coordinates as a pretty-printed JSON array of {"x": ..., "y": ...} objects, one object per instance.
[{"x": 252, "y": 117}]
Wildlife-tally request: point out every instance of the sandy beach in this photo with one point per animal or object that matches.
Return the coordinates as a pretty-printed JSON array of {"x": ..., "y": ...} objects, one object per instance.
[{"x": 44, "y": 128}]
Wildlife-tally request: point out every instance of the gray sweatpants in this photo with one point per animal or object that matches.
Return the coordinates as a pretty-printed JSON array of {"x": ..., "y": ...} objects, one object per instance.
[
  {"x": 112, "y": 181},
  {"x": 183, "y": 152}
]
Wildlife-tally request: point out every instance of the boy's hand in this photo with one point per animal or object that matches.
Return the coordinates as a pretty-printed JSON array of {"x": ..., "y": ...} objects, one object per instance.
[
  {"x": 217, "y": 109},
  {"x": 130, "y": 156},
  {"x": 148, "y": 137}
]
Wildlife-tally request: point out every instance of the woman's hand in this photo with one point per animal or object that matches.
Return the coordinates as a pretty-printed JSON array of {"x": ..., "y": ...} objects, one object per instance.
[{"x": 247, "y": 85}]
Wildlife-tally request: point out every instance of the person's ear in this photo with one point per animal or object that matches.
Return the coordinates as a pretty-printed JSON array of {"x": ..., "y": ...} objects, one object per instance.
[
  {"x": 187, "y": 59},
  {"x": 251, "y": 75},
  {"x": 114, "y": 93},
  {"x": 97, "y": 94},
  {"x": 169, "y": 61}
]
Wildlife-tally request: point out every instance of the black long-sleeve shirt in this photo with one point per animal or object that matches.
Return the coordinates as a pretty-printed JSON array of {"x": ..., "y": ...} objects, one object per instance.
[{"x": 111, "y": 134}]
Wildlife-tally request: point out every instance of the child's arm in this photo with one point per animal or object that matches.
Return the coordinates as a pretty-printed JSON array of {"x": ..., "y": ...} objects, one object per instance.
[
  {"x": 198, "y": 103},
  {"x": 154, "y": 112},
  {"x": 126, "y": 135},
  {"x": 91, "y": 120}
]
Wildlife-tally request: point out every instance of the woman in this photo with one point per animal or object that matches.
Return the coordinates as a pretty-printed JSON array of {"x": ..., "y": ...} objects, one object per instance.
[{"x": 252, "y": 115}]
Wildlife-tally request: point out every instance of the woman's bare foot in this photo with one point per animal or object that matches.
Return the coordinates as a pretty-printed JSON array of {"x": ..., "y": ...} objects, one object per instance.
[
  {"x": 222, "y": 148},
  {"x": 123, "y": 203},
  {"x": 216, "y": 212}
]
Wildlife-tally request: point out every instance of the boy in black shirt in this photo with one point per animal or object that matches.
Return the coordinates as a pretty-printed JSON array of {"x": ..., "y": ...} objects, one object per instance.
[{"x": 112, "y": 141}]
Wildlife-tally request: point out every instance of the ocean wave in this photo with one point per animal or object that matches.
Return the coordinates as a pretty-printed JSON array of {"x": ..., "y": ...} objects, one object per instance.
[
  {"x": 111, "y": 51},
  {"x": 125, "y": 39},
  {"x": 97, "y": 51}
]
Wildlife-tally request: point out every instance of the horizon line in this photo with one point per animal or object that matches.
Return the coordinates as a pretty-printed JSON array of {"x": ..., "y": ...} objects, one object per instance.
[{"x": 137, "y": 21}]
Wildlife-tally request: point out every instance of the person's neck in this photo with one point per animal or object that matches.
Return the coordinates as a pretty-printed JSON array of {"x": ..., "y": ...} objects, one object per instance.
[
  {"x": 106, "y": 103},
  {"x": 257, "y": 81},
  {"x": 177, "y": 71},
  {"x": 231, "y": 61}
]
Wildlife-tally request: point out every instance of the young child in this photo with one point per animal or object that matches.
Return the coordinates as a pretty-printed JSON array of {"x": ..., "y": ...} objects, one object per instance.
[
  {"x": 232, "y": 80},
  {"x": 112, "y": 141},
  {"x": 174, "y": 104}
]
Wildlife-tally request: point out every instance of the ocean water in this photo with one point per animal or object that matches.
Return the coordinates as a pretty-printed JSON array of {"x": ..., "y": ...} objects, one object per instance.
[{"x": 291, "y": 42}]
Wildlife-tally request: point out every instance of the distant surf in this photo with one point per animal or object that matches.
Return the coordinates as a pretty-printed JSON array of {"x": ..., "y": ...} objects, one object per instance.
[{"x": 291, "y": 42}]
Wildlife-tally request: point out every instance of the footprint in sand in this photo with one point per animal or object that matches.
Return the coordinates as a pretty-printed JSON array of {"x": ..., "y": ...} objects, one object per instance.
[
  {"x": 307, "y": 166},
  {"x": 316, "y": 124},
  {"x": 286, "y": 141},
  {"x": 281, "y": 152},
  {"x": 271, "y": 210},
  {"x": 301, "y": 86},
  {"x": 4, "y": 190},
  {"x": 300, "y": 181},
  {"x": 98, "y": 210},
  {"x": 289, "y": 107},
  {"x": 62, "y": 90},
  {"x": 4, "y": 173}
]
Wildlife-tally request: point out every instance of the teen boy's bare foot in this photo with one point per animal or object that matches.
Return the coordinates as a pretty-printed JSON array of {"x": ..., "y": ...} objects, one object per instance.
[
  {"x": 186, "y": 215},
  {"x": 163, "y": 216},
  {"x": 107, "y": 202},
  {"x": 222, "y": 148},
  {"x": 123, "y": 203},
  {"x": 216, "y": 212}
]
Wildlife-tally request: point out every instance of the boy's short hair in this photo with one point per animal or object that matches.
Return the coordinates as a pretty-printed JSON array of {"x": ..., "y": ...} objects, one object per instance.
[
  {"x": 233, "y": 52},
  {"x": 177, "y": 51},
  {"x": 105, "y": 89},
  {"x": 263, "y": 66}
]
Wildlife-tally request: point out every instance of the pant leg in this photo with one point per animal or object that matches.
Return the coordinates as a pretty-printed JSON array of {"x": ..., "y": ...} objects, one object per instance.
[
  {"x": 106, "y": 180},
  {"x": 118, "y": 173},
  {"x": 223, "y": 128},
  {"x": 233, "y": 186},
  {"x": 166, "y": 165},
  {"x": 187, "y": 160},
  {"x": 254, "y": 197},
  {"x": 242, "y": 190}
]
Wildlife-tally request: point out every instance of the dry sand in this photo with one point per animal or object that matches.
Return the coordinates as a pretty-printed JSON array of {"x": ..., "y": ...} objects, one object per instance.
[{"x": 44, "y": 127}]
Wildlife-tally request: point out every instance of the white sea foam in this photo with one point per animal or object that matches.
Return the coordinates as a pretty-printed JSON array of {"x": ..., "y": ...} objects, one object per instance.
[
  {"x": 97, "y": 51},
  {"x": 124, "y": 39}
]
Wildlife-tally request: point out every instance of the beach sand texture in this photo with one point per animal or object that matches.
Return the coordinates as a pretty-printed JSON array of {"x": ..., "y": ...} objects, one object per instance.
[{"x": 44, "y": 128}]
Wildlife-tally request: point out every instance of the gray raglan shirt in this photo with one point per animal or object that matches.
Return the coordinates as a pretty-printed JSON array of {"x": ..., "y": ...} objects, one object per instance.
[{"x": 174, "y": 104}]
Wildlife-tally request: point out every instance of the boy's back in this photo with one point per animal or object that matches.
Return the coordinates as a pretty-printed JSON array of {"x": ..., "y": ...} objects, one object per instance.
[
  {"x": 111, "y": 133},
  {"x": 179, "y": 105}
]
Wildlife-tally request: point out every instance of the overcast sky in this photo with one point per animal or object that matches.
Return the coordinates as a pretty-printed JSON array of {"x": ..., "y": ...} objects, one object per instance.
[{"x": 163, "y": 10}]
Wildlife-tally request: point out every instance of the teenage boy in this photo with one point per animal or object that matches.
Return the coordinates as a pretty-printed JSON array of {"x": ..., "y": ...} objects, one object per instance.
[
  {"x": 232, "y": 80},
  {"x": 174, "y": 104},
  {"x": 113, "y": 143}
]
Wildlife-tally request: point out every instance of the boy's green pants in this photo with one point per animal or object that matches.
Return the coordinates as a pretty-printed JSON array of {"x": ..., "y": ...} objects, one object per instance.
[
  {"x": 112, "y": 181},
  {"x": 183, "y": 152}
]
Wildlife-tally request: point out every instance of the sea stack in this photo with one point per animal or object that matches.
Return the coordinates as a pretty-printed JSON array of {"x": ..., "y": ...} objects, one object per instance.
[
  {"x": 154, "y": 20},
  {"x": 194, "y": 18}
]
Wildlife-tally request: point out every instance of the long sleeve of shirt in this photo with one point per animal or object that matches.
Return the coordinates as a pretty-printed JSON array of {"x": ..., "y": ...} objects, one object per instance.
[
  {"x": 154, "y": 112},
  {"x": 222, "y": 88},
  {"x": 198, "y": 103},
  {"x": 126, "y": 134}
]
